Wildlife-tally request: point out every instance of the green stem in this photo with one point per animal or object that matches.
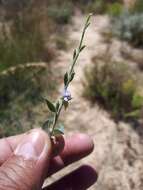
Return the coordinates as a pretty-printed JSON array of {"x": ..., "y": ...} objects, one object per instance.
[
  {"x": 80, "y": 46},
  {"x": 56, "y": 117}
]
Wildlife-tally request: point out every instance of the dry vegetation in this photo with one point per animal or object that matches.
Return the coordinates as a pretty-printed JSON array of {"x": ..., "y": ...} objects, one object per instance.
[
  {"x": 115, "y": 84},
  {"x": 28, "y": 37}
]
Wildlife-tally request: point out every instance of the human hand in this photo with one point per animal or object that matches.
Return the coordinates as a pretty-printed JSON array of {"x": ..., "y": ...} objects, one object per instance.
[{"x": 27, "y": 159}]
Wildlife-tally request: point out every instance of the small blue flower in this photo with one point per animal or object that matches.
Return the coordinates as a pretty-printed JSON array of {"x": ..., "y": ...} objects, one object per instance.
[{"x": 66, "y": 95}]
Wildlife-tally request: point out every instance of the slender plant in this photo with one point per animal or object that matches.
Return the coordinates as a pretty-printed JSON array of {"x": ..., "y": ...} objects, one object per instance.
[{"x": 52, "y": 124}]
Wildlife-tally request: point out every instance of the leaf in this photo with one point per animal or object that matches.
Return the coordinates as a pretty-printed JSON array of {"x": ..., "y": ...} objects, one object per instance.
[
  {"x": 66, "y": 79},
  {"x": 57, "y": 105},
  {"x": 47, "y": 124},
  {"x": 89, "y": 17},
  {"x": 74, "y": 54},
  {"x": 87, "y": 25},
  {"x": 82, "y": 48},
  {"x": 59, "y": 130},
  {"x": 65, "y": 104},
  {"x": 72, "y": 76},
  {"x": 50, "y": 105}
]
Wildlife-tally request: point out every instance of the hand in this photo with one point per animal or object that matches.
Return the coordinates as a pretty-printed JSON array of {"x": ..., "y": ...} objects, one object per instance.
[{"x": 27, "y": 159}]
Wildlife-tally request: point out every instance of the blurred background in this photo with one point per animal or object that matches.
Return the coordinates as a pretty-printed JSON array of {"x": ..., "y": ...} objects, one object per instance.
[{"x": 37, "y": 39}]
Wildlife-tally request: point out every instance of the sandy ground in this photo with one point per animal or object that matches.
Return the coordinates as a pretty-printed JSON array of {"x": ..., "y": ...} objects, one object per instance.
[{"x": 118, "y": 153}]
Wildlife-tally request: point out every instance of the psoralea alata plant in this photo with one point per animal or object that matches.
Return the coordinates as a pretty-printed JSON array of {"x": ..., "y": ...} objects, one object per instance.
[{"x": 52, "y": 125}]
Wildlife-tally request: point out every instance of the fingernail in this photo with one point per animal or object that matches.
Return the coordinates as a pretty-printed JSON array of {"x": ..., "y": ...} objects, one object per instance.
[{"x": 32, "y": 145}]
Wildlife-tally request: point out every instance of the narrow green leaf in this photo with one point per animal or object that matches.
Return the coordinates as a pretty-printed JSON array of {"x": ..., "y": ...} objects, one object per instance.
[
  {"x": 50, "y": 105},
  {"x": 87, "y": 25},
  {"x": 82, "y": 48},
  {"x": 59, "y": 130},
  {"x": 74, "y": 54},
  {"x": 88, "y": 19},
  {"x": 57, "y": 105},
  {"x": 72, "y": 76},
  {"x": 65, "y": 78}
]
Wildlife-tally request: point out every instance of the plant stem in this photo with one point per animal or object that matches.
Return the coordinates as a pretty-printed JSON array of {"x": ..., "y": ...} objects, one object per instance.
[
  {"x": 56, "y": 117},
  {"x": 80, "y": 46}
]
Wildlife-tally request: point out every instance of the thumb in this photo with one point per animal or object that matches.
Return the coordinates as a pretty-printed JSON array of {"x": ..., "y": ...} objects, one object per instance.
[{"x": 26, "y": 168}]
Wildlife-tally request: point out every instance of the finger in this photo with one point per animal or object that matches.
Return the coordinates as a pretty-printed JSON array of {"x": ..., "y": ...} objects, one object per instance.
[
  {"x": 25, "y": 168},
  {"x": 80, "y": 179},
  {"x": 9, "y": 144},
  {"x": 76, "y": 147}
]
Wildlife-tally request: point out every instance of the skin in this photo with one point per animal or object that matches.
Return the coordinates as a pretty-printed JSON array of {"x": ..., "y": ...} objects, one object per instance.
[{"x": 32, "y": 174}]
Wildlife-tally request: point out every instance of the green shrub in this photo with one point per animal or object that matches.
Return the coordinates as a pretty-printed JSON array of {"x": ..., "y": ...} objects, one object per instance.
[
  {"x": 16, "y": 84},
  {"x": 20, "y": 93},
  {"x": 138, "y": 7},
  {"x": 114, "y": 87},
  {"x": 114, "y": 9},
  {"x": 94, "y": 6},
  {"x": 61, "y": 12},
  {"x": 129, "y": 27},
  {"x": 99, "y": 6}
]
